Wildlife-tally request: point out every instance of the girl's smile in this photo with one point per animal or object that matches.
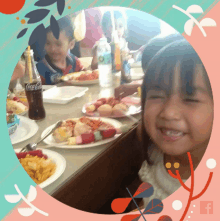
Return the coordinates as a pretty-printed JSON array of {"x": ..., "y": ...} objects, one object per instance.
[{"x": 171, "y": 135}]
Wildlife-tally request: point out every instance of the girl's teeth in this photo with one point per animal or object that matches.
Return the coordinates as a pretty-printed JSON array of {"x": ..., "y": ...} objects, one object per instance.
[{"x": 173, "y": 133}]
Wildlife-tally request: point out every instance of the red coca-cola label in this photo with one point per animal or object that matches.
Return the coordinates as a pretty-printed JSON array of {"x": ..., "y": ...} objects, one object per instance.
[{"x": 33, "y": 87}]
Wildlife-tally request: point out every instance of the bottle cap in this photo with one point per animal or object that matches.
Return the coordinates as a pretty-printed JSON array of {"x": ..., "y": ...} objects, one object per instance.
[{"x": 31, "y": 52}]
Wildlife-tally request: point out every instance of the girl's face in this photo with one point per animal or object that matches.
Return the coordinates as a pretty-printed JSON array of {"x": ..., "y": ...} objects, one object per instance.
[{"x": 179, "y": 123}]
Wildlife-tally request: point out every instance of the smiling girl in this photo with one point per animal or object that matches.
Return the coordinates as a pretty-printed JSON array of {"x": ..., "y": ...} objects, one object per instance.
[{"x": 177, "y": 113}]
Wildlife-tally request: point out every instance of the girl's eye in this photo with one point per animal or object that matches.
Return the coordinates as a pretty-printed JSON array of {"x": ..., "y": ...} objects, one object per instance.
[
  {"x": 191, "y": 100},
  {"x": 151, "y": 97}
]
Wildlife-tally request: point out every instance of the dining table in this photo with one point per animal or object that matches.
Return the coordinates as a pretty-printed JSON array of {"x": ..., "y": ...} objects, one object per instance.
[{"x": 76, "y": 159}]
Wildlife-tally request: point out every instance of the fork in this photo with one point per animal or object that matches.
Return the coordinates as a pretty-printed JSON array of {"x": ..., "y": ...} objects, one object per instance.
[{"x": 33, "y": 146}]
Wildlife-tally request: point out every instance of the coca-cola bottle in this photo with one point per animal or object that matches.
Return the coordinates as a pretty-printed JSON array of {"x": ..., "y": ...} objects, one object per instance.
[{"x": 33, "y": 88}]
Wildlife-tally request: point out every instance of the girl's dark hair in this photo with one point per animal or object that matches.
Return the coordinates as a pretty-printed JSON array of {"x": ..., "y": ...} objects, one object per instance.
[
  {"x": 154, "y": 45},
  {"x": 66, "y": 25},
  {"x": 106, "y": 20},
  {"x": 160, "y": 71}
]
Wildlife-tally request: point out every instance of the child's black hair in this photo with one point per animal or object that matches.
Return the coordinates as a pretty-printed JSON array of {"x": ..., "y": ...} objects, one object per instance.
[
  {"x": 106, "y": 20},
  {"x": 65, "y": 25},
  {"x": 154, "y": 45},
  {"x": 160, "y": 71}
]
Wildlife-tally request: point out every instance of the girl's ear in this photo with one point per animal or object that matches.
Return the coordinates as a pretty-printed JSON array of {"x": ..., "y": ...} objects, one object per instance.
[{"x": 72, "y": 44}]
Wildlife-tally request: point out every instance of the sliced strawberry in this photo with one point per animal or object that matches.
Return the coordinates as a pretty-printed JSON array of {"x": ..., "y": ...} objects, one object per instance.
[
  {"x": 32, "y": 153},
  {"x": 87, "y": 138},
  {"x": 108, "y": 133}
]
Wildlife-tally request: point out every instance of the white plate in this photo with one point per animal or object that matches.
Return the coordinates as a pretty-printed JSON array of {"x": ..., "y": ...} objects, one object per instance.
[
  {"x": 83, "y": 82},
  {"x": 50, "y": 140},
  {"x": 60, "y": 162},
  {"x": 26, "y": 129},
  {"x": 75, "y": 82},
  {"x": 23, "y": 113},
  {"x": 63, "y": 95}
]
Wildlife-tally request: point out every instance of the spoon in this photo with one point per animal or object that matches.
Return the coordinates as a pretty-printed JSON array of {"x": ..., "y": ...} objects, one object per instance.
[{"x": 33, "y": 146}]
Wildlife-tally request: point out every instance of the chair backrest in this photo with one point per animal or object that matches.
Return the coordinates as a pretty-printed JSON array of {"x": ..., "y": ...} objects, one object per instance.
[{"x": 98, "y": 181}]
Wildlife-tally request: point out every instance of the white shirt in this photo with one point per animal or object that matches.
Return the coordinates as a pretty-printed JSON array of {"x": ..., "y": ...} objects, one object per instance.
[{"x": 163, "y": 184}]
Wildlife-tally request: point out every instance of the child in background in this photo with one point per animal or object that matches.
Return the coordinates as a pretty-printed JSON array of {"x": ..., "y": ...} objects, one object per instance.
[
  {"x": 18, "y": 71},
  {"x": 94, "y": 32},
  {"x": 177, "y": 117},
  {"x": 18, "y": 75},
  {"x": 58, "y": 61},
  {"x": 120, "y": 28}
]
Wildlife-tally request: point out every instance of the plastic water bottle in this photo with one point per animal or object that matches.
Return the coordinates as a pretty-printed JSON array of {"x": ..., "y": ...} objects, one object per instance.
[{"x": 104, "y": 63}]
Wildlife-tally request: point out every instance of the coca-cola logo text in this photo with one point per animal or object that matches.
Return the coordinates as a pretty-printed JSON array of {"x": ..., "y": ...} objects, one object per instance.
[{"x": 33, "y": 87}]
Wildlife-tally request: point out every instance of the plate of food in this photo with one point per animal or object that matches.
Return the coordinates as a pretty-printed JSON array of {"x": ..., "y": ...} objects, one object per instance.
[
  {"x": 26, "y": 129},
  {"x": 43, "y": 166},
  {"x": 112, "y": 107},
  {"x": 84, "y": 132},
  {"x": 16, "y": 105},
  {"x": 82, "y": 78}
]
